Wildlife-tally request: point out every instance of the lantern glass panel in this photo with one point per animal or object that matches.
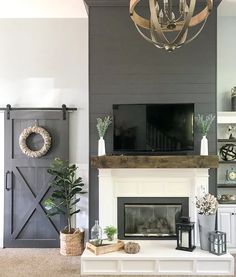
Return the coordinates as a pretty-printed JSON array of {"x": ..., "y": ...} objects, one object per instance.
[
  {"x": 184, "y": 238},
  {"x": 217, "y": 242},
  {"x": 193, "y": 237}
]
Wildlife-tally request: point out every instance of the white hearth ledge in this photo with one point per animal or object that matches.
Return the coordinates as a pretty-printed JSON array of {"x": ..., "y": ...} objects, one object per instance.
[{"x": 157, "y": 258}]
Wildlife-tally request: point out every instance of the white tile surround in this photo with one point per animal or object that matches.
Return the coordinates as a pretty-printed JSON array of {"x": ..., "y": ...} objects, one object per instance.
[
  {"x": 155, "y": 257},
  {"x": 155, "y": 182}
]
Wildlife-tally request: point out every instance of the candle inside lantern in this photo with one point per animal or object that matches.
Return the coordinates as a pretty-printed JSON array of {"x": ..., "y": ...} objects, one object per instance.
[{"x": 184, "y": 240}]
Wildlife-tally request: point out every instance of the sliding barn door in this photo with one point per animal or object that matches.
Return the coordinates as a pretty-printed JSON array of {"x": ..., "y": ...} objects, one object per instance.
[{"x": 27, "y": 181}]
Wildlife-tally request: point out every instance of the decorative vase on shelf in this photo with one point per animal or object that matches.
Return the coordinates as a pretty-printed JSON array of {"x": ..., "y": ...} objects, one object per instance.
[
  {"x": 101, "y": 147},
  {"x": 206, "y": 224},
  {"x": 96, "y": 234},
  {"x": 102, "y": 126},
  {"x": 204, "y": 146}
]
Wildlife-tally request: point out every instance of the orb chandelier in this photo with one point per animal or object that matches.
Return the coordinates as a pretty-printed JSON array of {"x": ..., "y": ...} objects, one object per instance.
[{"x": 170, "y": 23}]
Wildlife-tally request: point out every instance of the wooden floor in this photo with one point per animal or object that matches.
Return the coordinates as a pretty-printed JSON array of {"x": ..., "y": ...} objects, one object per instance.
[{"x": 39, "y": 263}]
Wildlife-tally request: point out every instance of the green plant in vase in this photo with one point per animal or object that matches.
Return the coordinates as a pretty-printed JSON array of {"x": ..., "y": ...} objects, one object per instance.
[
  {"x": 102, "y": 126},
  {"x": 204, "y": 125},
  {"x": 110, "y": 231}
]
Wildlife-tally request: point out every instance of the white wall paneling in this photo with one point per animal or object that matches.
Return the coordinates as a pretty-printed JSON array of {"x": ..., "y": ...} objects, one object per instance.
[{"x": 44, "y": 63}]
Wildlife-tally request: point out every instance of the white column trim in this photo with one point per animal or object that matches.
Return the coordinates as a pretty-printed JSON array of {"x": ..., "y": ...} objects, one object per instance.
[{"x": 2, "y": 178}]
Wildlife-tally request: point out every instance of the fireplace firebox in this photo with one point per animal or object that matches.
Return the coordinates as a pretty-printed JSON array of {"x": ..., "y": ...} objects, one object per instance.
[{"x": 150, "y": 217}]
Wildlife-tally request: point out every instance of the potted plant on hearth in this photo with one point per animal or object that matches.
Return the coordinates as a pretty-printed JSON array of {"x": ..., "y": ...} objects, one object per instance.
[
  {"x": 204, "y": 124},
  {"x": 63, "y": 201},
  {"x": 207, "y": 207},
  {"x": 110, "y": 231}
]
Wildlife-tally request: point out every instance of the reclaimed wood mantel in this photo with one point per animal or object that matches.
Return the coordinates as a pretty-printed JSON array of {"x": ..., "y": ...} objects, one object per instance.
[{"x": 121, "y": 161}]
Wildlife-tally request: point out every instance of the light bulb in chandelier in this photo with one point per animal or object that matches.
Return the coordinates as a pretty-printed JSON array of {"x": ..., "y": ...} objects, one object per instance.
[{"x": 170, "y": 23}]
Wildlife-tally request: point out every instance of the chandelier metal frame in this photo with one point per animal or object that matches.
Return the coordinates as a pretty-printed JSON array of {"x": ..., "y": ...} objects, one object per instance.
[{"x": 181, "y": 27}]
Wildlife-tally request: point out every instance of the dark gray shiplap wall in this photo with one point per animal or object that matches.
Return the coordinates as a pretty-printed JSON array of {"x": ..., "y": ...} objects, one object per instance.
[{"x": 124, "y": 68}]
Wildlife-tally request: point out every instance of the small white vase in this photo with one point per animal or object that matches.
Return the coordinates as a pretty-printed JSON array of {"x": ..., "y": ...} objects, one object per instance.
[
  {"x": 204, "y": 146},
  {"x": 101, "y": 147}
]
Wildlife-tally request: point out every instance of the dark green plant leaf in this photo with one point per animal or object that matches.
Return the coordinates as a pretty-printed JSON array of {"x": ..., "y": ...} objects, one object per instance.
[
  {"x": 75, "y": 202},
  {"x": 77, "y": 211},
  {"x": 52, "y": 214},
  {"x": 58, "y": 194},
  {"x": 60, "y": 211},
  {"x": 74, "y": 192}
]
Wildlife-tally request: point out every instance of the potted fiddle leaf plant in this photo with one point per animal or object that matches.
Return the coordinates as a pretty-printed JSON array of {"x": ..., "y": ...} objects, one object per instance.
[{"x": 63, "y": 201}]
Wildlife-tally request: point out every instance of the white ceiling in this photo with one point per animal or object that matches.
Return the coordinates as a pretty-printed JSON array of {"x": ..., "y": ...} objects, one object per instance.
[
  {"x": 70, "y": 8},
  {"x": 227, "y": 8},
  {"x": 42, "y": 9}
]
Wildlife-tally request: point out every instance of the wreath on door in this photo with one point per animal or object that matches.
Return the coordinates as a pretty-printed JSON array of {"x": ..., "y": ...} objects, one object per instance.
[{"x": 35, "y": 130}]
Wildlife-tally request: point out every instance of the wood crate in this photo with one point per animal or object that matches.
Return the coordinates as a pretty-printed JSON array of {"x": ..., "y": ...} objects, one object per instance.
[{"x": 106, "y": 248}]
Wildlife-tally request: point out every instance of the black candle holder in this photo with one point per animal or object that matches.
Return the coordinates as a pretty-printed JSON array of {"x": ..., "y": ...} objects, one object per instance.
[{"x": 185, "y": 236}]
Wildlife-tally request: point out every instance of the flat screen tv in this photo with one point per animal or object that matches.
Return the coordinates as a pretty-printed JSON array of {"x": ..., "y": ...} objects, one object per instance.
[{"x": 156, "y": 128}]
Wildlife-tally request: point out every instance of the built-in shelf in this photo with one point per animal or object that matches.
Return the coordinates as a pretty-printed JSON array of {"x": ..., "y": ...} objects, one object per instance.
[
  {"x": 226, "y": 185},
  {"x": 227, "y": 162},
  {"x": 226, "y": 140},
  {"x": 227, "y": 202},
  {"x": 226, "y": 117},
  {"x": 121, "y": 161}
]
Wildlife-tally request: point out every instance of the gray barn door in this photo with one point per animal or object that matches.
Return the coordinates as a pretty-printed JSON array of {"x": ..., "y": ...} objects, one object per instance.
[{"x": 26, "y": 179}]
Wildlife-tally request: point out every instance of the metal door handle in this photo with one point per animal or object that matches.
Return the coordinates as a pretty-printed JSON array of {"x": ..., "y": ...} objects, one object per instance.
[
  {"x": 232, "y": 213},
  {"x": 6, "y": 181}
]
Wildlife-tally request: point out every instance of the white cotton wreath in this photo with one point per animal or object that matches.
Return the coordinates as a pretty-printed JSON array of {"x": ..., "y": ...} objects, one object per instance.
[{"x": 37, "y": 130}]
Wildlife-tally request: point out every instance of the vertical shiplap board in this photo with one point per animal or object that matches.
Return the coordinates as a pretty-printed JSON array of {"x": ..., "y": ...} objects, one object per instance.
[
  {"x": 125, "y": 68},
  {"x": 1, "y": 178}
]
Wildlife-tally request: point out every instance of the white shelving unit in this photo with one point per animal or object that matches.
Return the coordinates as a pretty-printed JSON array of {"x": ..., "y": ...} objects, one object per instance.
[
  {"x": 227, "y": 223},
  {"x": 227, "y": 210}
]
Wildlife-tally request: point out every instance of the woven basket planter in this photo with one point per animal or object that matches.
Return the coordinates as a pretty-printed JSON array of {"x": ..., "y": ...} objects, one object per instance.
[{"x": 72, "y": 244}]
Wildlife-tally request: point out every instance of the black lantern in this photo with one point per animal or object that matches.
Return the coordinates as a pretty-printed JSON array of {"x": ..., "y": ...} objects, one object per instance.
[
  {"x": 217, "y": 243},
  {"x": 185, "y": 235}
]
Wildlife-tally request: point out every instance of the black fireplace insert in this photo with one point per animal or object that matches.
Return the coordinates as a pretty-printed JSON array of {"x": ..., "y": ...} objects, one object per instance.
[{"x": 150, "y": 217}]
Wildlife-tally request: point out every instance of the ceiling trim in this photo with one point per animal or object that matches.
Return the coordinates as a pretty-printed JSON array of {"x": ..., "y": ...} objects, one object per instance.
[
  {"x": 107, "y": 3},
  {"x": 124, "y": 3}
]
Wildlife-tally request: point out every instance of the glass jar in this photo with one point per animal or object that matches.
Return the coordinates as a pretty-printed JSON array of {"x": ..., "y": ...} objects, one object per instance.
[
  {"x": 96, "y": 234},
  {"x": 233, "y": 99}
]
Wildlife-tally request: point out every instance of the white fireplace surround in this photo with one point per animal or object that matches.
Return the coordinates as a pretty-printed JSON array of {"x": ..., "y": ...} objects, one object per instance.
[
  {"x": 153, "y": 182},
  {"x": 155, "y": 257}
]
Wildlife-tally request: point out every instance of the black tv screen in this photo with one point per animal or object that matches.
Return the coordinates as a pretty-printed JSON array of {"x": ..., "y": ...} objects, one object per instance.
[{"x": 158, "y": 128}]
